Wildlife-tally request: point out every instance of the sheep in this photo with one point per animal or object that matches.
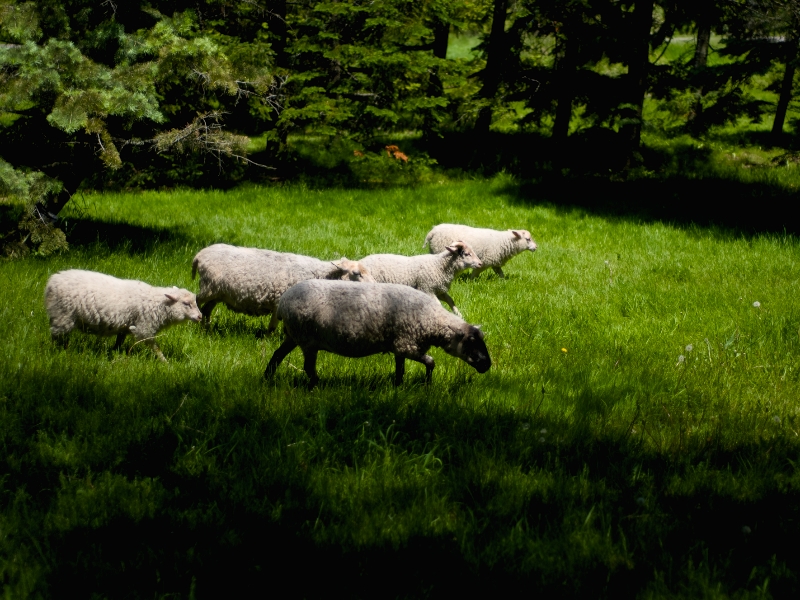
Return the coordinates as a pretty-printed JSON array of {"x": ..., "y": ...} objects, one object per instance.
[
  {"x": 430, "y": 274},
  {"x": 494, "y": 248},
  {"x": 104, "y": 305},
  {"x": 360, "y": 320},
  {"x": 251, "y": 280}
]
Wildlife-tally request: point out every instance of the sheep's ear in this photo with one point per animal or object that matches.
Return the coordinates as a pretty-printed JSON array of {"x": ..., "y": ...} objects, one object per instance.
[
  {"x": 455, "y": 246},
  {"x": 337, "y": 264},
  {"x": 516, "y": 233},
  {"x": 172, "y": 297}
]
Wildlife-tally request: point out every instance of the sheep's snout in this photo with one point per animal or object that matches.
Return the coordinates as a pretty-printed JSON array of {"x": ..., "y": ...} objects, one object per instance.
[
  {"x": 474, "y": 352},
  {"x": 484, "y": 366}
]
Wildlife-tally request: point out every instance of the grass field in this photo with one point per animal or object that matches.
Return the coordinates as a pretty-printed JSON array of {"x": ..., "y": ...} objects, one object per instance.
[{"x": 637, "y": 434}]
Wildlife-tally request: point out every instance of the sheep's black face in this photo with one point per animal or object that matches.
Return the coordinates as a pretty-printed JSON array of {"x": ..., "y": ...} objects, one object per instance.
[{"x": 474, "y": 350}]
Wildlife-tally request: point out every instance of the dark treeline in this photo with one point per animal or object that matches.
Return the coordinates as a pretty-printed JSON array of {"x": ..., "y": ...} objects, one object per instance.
[{"x": 157, "y": 93}]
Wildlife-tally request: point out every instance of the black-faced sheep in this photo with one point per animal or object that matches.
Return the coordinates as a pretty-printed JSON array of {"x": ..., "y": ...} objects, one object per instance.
[{"x": 360, "y": 320}]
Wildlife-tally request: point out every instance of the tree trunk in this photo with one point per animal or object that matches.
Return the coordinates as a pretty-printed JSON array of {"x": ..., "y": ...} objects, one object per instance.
[
  {"x": 698, "y": 64},
  {"x": 441, "y": 35},
  {"x": 76, "y": 163},
  {"x": 277, "y": 25},
  {"x": 494, "y": 61},
  {"x": 565, "y": 74},
  {"x": 786, "y": 88},
  {"x": 631, "y": 130}
]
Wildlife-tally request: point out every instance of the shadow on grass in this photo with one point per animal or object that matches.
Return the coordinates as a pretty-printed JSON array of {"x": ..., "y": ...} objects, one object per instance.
[
  {"x": 679, "y": 182},
  {"x": 762, "y": 139},
  {"x": 588, "y": 512},
  {"x": 211, "y": 540},
  {"x": 681, "y": 185},
  {"x": 742, "y": 208},
  {"x": 120, "y": 236}
]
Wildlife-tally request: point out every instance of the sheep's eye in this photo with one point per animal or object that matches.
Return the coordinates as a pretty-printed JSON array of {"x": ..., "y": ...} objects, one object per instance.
[{"x": 187, "y": 303}]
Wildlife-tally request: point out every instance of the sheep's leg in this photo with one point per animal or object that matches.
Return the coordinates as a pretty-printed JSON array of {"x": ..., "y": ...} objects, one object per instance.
[
  {"x": 120, "y": 340},
  {"x": 277, "y": 358},
  {"x": 62, "y": 339},
  {"x": 60, "y": 329},
  {"x": 429, "y": 365},
  {"x": 206, "y": 309},
  {"x": 310, "y": 366},
  {"x": 445, "y": 297},
  {"x": 499, "y": 272},
  {"x": 273, "y": 321},
  {"x": 477, "y": 272},
  {"x": 156, "y": 349},
  {"x": 399, "y": 369}
]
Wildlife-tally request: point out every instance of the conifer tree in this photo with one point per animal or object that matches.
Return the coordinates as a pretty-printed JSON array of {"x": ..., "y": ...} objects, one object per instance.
[{"x": 81, "y": 82}]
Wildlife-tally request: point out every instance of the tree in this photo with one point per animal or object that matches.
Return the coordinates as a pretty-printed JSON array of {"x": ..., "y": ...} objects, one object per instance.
[
  {"x": 706, "y": 14},
  {"x": 758, "y": 35},
  {"x": 77, "y": 88},
  {"x": 779, "y": 21},
  {"x": 495, "y": 49}
]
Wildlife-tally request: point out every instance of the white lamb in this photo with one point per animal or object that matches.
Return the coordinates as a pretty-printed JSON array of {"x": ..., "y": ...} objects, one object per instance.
[
  {"x": 360, "y": 320},
  {"x": 430, "y": 274},
  {"x": 251, "y": 280},
  {"x": 495, "y": 248},
  {"x": 104, "y": 305}
]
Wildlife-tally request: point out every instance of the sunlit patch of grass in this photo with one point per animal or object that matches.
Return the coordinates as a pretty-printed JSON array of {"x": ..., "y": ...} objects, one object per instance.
[{"x": 641, "y": 410}]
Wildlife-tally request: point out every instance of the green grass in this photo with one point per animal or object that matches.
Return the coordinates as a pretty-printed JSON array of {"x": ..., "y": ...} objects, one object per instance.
[{"x": 592, "y": 460}]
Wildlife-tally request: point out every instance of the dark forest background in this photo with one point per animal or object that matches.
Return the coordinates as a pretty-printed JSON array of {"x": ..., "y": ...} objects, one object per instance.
[{"x": 111, "y": 95}]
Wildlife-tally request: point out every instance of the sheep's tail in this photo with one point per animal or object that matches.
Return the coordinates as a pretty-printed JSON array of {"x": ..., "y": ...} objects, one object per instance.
[
  {"x": 194, "y": 268},
  {"x": 428, "y": 238}
]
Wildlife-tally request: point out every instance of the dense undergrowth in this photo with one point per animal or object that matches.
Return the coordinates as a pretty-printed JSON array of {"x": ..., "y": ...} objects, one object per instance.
[{"x": 637, "y": 434}]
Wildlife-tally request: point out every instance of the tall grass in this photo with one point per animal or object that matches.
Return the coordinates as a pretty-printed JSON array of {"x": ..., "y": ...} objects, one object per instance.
[{"x": 637, "y": 433}]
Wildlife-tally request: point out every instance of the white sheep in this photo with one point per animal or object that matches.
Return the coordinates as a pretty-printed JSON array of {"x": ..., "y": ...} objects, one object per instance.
[
  {"x": 104, "y": 305},
  {"x": 495, "y": 248},
  {"x": 251, "y": 280},
  {"x": 430, "y": 274},
  {"x": 360, "y": 320}
]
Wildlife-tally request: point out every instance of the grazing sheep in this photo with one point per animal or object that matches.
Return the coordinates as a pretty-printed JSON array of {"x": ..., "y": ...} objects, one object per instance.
[
  {"x": 360, "y": 320},
  {"x": 102, "y": 304},
  {"x": 430, "y": 274},
  {"x": 494, "y": 248},
  {"x": 251, "y": 280}
]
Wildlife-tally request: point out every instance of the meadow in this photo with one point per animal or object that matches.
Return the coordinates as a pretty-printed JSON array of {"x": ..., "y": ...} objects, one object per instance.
[{"x": 636, "y": 436}]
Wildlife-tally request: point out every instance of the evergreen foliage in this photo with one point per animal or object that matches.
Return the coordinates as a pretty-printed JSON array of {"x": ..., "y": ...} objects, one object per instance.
[
  {"x": 155, "y": 93},
  {"x": 80, "y": 81}
]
